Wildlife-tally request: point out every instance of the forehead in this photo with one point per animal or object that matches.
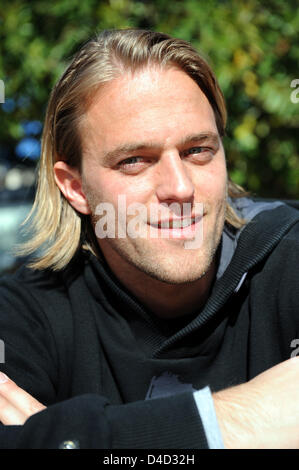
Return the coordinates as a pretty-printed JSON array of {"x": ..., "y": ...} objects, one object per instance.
[{"x": 154, "y": 104}]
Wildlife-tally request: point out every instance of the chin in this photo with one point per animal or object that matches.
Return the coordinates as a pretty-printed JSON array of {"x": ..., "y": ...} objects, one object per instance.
[
  {"x": 170, "y": 274},
  {"x": 177, "y": 280}
]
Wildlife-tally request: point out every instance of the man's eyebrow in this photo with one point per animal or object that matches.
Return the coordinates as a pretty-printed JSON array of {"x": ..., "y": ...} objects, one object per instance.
[
  {"x": 212, "y": 137},
  {"x": 125, "y": 149}
]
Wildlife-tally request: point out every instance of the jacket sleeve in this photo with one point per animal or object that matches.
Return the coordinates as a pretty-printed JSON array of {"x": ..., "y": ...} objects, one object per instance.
[{"x": 89, "y": 422}]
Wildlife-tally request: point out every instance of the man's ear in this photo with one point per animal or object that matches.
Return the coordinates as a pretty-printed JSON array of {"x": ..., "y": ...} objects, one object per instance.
[{"x": 69, "y": 181}]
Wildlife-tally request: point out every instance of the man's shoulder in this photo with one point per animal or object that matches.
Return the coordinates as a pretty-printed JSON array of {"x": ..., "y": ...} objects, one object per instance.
[
  {"x": 282, "y": 222},
  {"x": 249, "y": 207},
  {"x": 29, "y": 278},
  {"x": 40, "y": 289},
  {"x": 26, "y": 279},
  {"x": 273, "y": 233},
  {"x": 266, "y": 217}
]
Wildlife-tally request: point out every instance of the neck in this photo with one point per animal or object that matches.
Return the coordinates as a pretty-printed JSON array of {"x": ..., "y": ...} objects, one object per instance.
[
  {"x": 175, "y": 300},
  {"x": 162, "y": 299}
]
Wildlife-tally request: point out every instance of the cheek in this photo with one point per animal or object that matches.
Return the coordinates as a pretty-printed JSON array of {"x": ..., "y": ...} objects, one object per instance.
[
  {"x": 211, "y": 185},
  {"x": 109, "y": 186}
]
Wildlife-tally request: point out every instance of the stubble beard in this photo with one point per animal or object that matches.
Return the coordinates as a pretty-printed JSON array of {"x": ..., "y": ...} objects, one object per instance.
[
  {"x": 178, "y": 266},
  {"x": 181, "y": 266}
]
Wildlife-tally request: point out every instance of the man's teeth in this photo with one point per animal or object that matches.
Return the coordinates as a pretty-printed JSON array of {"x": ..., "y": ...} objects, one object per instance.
[{"x": 175, "y": 223}]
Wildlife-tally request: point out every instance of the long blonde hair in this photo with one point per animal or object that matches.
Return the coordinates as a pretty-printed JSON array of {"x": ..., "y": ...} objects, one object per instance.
[{"x": 58, "y": 229}]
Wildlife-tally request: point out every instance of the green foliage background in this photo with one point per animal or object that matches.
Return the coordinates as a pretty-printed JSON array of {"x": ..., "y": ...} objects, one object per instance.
[{"x": 252, "y": 46}]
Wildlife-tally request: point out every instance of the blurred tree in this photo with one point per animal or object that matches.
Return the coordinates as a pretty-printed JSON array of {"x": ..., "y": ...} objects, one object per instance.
[{"x": 252, "y": 46}]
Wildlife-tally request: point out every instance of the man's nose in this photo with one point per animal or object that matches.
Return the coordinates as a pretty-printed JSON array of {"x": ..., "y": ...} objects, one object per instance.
[{"x": 174, "y": 182}]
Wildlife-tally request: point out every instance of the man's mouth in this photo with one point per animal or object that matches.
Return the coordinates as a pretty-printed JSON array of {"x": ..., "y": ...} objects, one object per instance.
[{"x": 179, "y": 223}]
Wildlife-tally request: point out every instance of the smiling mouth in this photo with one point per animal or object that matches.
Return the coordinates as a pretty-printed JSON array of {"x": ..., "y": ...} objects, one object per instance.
[{"x": 176, "y": 223}]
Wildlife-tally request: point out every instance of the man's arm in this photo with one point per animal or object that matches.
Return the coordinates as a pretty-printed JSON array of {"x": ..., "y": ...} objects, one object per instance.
[
  {"x": 16, "y": 406},
  {"x": 91, "y": 422},
  {"x": 263, "y": 413}
]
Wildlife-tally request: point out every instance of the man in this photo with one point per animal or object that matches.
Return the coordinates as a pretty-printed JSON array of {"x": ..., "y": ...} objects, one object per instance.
[{"x": 126, "y": 323}]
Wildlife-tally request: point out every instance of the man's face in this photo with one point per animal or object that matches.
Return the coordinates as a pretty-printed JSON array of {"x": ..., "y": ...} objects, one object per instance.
[{"x": 151, "y": 137}]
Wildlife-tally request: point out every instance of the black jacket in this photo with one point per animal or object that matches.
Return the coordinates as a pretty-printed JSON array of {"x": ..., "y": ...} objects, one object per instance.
[{"x": 113, "y": 376}]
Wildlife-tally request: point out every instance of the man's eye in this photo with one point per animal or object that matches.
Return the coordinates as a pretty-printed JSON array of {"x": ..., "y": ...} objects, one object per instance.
[
  {"x": 196, "y": 150},
  {"x": 132, "y": 164},
  {"x": 130, "y": 161},
  {"x": 204, "y": 153}
]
